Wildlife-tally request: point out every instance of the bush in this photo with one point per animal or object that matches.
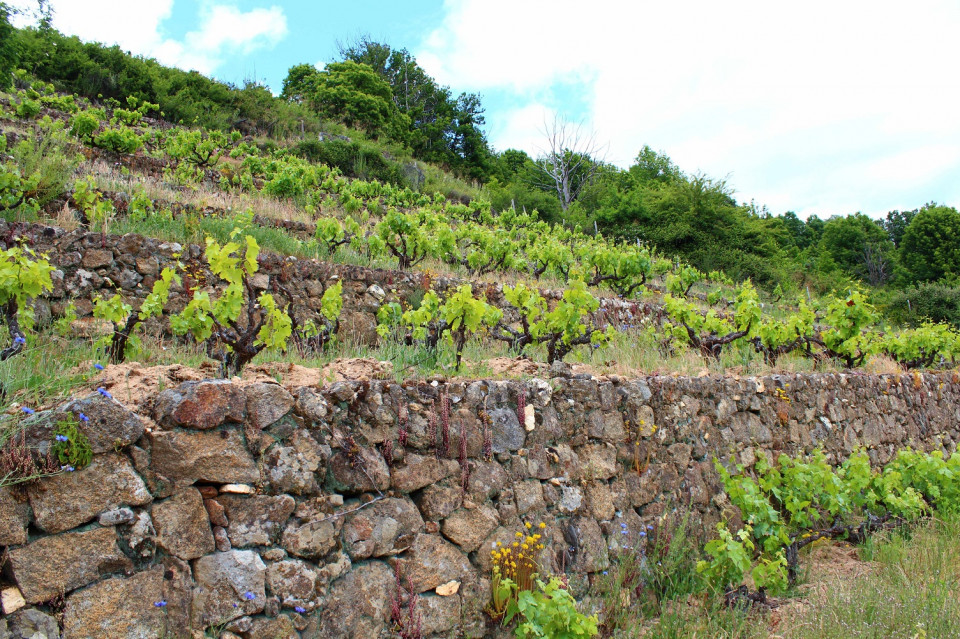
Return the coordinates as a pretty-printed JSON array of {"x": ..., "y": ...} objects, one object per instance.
[
  {"x": 354, "y": 159},
  {"x": 27, "y": 109},
  {"x": 936, "y": 301},
  {"x": 120, "y": 140},
  {"x": 84, "y": 125}
]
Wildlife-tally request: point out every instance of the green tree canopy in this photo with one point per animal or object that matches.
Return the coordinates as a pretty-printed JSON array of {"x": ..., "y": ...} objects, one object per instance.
[
  {"x": 353, "y": 94},
  {"x": 930, "y": 249},
  {"x": 859, "y": 245},
  {"x": 8, "y": 48}
]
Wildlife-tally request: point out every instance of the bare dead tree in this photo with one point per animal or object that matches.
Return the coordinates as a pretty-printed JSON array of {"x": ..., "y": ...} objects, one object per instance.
[
  {"x": 571, "y": 160},
  {"x": 876, "y": 263}
]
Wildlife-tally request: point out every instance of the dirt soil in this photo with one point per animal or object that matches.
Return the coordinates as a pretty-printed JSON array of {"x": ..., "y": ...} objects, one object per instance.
[{"x": 135, "y": 385}]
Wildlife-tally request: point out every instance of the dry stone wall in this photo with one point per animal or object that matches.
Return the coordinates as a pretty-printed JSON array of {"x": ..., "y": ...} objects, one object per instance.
[
  {"x": 91, "y": 264},
  {"x": 273, "y": 512}
]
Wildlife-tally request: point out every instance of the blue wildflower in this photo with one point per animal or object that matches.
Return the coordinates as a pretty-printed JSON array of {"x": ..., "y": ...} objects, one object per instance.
[
  {"x": 623, "y": 525},
  {"x": 249, "y": 596},
  {"x": 99, "y": 367},
  {"x": 604, "y": 572},
  {"x": 624, "y": 532},
  {"x": 300, "y": 609},
  {"x": 649, "y": 526},
  {"x": 68, "y": 469},
  {"x": 83, "y": 418},
  {"x": 160, "y": 604},
  {"x": 104, "y": 392},
  {"x": 643, "y": 533},
  {"x": 62, "y": 438},
  {"x": 27, "y": 410},
  {"x": 19, "y": 340}
]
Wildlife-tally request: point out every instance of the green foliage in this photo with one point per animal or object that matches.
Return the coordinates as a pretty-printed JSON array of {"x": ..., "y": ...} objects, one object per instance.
[
  {"x": 98, "y": 211},
  {"x": 787, "y": 505},
  {"x": 84, "y": 124},
  {"x": 922, "y": 346},
  {"x": 466, "y": 315},
  {"x": 266, "y": 325},
  {"x": 845, "y": 336},
  {"x": 550, "y": 611},
  {"x": 122, "y": 342},
  {"x": 195, "y": 147},
  {"x": 933, "y": 301},
  {"x": 561, "y": 329},
  {"x": 27, "y": 109},
  {"x": 119, "y": 139},
  {"x": 930, "y": 249},
  {"x": 23, "y": 276},
  {"x": 71, "y": 446},
  {"x": 9, "y": 55},
  {"x": 355, "y": 95},
  {"x": 731, "y": 557},
  {"x": 63, "y": 325}
]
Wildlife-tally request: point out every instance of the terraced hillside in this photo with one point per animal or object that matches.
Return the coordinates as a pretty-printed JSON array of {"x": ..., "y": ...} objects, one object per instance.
[{"x": 248, "y": 396}]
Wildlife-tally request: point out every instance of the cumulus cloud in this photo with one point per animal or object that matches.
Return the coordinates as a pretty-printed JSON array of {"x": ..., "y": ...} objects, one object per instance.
[
  {"x": 822, "y": 107},
  {"x": 137, "y": 26}
]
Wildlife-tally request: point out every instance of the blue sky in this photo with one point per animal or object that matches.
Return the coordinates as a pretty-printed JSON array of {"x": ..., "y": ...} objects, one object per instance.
[{"x": 823, "y": 107}]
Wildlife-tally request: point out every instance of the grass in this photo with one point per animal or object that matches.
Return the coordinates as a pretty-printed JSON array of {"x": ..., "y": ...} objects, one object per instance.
[{"x": 909, "y": 587}]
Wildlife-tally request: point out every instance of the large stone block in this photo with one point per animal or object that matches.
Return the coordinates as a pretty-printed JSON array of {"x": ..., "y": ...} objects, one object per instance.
[
  {"x": 200, "y": 404},
  {"x": 381, "y": 529},
  {"x": 67, "y": 500},
  {"x": 14, "y": 517},
  {"x": 182, "y": 525},
  {"x": 229, "y": 585},
  {"x": 256, "y": 520},
  {"x": 60, "y": 563},
  {"x": 218, "y": 457}
]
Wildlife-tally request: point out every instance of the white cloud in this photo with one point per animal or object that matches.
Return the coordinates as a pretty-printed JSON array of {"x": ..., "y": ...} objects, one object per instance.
[
  {"x": 137, "y": 26},
  {"x": 784, "y": 98}
]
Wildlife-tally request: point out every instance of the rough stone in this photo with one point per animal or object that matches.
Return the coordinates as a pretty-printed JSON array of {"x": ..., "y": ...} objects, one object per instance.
[
  {"x": 311, "y": 540},
  {"x": 67, "y": 500},
  {"x": 266, "y": 403},
  {"x": 11, "y": 600},
  {"x": 528, "y": 496},
  {"x": 182, "y": 525},
  {"x": 116, "y": 517},
  {"x": 109, "y": 425},
  {"x": 256, "y": 520},
  {"x": 431, "y": 561},
  {"x": 122, "y": 608},
  {"x": 32, "y": 624},
  {"x": 60, "y": 563},
  {"x": 382, "y": 529},
  {"x": 487, "y": 479},
  {"x": 294, "y": 468},
  {"x": 188, "y": 457},
  {"x": 200, "y": 404},
  {"x": 277, "y": 628},
  {"x": 438, "y": 614},
  {"x": 229, "y": 585},
  {"x": 419, "y": 471},
  {"x": 468, "y": 528},
  {"x": 358, "y": 604},
  {"x": 14, "y": 517},
  {"x": 507, "y": 432},
  {"x": 352, "y": 478},
  {"x": 293, "y": 581},
  {"x": 437, "y": 501}
]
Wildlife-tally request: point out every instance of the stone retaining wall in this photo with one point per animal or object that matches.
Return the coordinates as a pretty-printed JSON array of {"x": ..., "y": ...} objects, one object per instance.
[{"x": 276, "y": 512}]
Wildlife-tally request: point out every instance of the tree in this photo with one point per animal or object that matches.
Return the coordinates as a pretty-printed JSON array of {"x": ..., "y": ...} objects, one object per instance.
[
  {"x": 8, "y": 48},
  {"x": 930, "y": 248},
  {"x": 568, "y": 164},
  {"x": 859, "y": 245},
  {"x": 354, "y": 94}
]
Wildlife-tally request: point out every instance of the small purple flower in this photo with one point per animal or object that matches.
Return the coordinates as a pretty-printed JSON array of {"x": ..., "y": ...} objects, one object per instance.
[
  {"x": 623, "y": 525},
  {"x": 643, "y": 533},
  {"x": 104, "y": 392},
  {"x": 27, "y": 410},
  {"x": 68, "y": 469},
  {"x": 62, "y": 438},
  {"x": 160, "y": 604},
  {"x": 649, "y": 526},
  {"x": 19, "y": 340},
  {"x": 99, "y": 367},
  {"x": 249, "y": 596},
  {"x": 299, "y": 609},
  {"x": 83, "y": 418},
  {"x": 604, "y": 572}
]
